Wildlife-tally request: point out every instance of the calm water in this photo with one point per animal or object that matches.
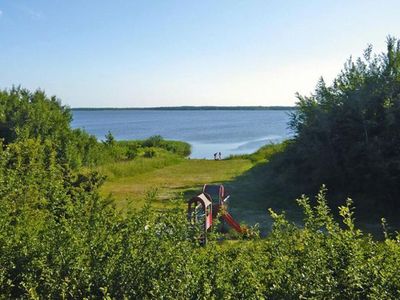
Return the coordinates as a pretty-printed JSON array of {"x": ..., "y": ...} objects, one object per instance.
[{"x": 225, "y": 131}]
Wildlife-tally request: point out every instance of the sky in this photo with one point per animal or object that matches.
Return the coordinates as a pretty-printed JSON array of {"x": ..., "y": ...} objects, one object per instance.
[{"x": 171, "y": 53}]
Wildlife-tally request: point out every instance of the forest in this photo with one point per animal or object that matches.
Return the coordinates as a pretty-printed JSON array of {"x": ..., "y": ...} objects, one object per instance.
[{"x": 61, "y": 238}]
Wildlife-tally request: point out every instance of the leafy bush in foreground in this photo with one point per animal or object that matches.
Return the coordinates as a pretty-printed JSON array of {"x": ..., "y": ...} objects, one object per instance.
[{"x": 60, "y": 239}]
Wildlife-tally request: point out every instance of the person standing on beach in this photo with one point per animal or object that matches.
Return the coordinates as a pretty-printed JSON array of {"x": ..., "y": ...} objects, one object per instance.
[
  {"x": 215, "y": 156},
  {"x": 219, "y": 155}
]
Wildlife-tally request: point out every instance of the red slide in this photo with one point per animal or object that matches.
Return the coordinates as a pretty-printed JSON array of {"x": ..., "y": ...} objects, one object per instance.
[{"x": 235, "y": 225}]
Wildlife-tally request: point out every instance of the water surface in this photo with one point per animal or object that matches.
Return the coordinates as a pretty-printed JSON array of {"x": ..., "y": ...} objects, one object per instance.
[{"x": 208, "y": 131}]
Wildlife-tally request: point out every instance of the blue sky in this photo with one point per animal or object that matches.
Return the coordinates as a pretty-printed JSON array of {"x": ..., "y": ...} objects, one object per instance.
[{"x": 166, "y": 53}]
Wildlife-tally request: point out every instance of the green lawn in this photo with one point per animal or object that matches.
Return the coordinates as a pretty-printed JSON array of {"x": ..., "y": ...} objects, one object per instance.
[
  {"x": 171, "y": 178},
  {"x": 250, "y": 180},
  {"x": 252, "y": 185}
]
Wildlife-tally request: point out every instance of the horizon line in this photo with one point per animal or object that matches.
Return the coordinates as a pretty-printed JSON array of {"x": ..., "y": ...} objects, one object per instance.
[{"x": 193, "y": 107}]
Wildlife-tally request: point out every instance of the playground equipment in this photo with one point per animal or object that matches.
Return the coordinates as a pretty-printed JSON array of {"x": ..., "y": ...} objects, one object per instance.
[{"x": 205, "y": 207}]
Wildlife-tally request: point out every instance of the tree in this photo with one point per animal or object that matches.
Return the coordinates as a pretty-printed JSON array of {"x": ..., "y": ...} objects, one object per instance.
[
  {"x": 110, "y": 140},
  {"x": 347, "y": 134},
  {"x": 25, "y": 115}
]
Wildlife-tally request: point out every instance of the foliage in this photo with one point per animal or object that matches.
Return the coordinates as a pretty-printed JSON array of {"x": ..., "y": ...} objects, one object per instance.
[
  {"x": 264, "y": 154},
  {"x": 25, "y": 114},
  {"x": 59, "y": 239},
  {"x": 346, "y": 134},
  {"x": 153, "y": 141},
  {"x": 110, "y": 140},
  {"x": 177, "y": 147}
]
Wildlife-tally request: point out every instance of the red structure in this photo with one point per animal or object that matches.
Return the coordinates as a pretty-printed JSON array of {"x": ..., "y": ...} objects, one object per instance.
[
  {"x": 206, "y": 206},
  {"x": 200, "y": 214}
]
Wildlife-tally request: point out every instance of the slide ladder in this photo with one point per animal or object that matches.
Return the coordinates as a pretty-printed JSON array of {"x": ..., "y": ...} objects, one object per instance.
[{"x": 229, "y": 219}]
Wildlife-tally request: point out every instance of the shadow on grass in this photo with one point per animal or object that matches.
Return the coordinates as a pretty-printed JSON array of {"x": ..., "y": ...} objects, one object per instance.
[
  {"x": 253, "y": 193},
  {"x": 262, "y": 187}
]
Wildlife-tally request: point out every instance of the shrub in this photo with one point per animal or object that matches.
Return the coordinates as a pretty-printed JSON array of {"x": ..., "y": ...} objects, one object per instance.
[
  {"x": 25, "y": 115},
  {"x": 110, "y": 140},
  {"x": 346, "y": 134},
  {"x": 59, "y": 238},
  {"x": 180, "y": 148},
  {"x": 153, "y": 141},
  {"x": 264, "y": 154},
  {"x": 150, "y": 152}
]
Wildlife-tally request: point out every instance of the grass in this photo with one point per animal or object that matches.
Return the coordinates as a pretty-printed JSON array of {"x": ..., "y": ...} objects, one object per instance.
[
  {"x": 129, "y": 182},
  {"x": 264, "y": 154},
  {"x": 140, "y": 165},
  {"x": 248, "y": 178}
]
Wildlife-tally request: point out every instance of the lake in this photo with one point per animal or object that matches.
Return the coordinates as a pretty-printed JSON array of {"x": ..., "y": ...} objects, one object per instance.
[{"x": 208, "y": 131}]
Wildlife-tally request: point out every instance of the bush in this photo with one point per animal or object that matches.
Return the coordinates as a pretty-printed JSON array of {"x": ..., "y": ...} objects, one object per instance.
[
  {"x": 131, "y": 153},
  {"x": 153, "y": 141},
  {"x": 110, "y": 140},
  {"x": 346, "y": 134},
  {"x": 150, "y": 152},
  {"x": 181, "y": 148},
  {"x": 78, "y": 246},
  {"x": 25, "y": 115},
  {"x": 264, "y": 154}
]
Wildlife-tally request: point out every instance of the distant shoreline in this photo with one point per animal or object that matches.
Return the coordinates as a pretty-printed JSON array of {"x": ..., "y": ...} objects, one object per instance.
[{"x": 188, "y": 108}]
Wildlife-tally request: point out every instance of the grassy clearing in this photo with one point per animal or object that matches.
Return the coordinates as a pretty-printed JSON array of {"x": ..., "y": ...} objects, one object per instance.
[
  {"x": 248, "y": 178},
  {"x": 171, "y": 176}
]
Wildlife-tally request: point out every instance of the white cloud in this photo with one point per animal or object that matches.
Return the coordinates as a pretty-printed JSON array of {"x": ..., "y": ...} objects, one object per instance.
[{"x": 1, "y": 13}]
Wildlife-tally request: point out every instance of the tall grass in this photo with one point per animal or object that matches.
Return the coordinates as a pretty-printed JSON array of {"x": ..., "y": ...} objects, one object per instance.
[
  {"x": 263, "y": 154},
  {"x": 139, "y": 165}
]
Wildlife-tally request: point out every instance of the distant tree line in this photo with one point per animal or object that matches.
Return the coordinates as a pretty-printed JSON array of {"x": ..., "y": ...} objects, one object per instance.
[{"x": 188, "y": 108}]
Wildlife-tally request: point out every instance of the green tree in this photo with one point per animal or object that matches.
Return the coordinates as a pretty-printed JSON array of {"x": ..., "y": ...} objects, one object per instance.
[
  {"x": 32, "y": 115},
  {"x": 25, "y": 115},
  {"x": 110, "y": 140},
  {"x": 346, "y": 134}
]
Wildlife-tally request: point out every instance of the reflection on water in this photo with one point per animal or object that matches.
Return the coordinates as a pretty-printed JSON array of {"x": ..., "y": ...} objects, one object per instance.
[
  {"x": 207, "y": 150},
  {"x": 225, "y": 131}
]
